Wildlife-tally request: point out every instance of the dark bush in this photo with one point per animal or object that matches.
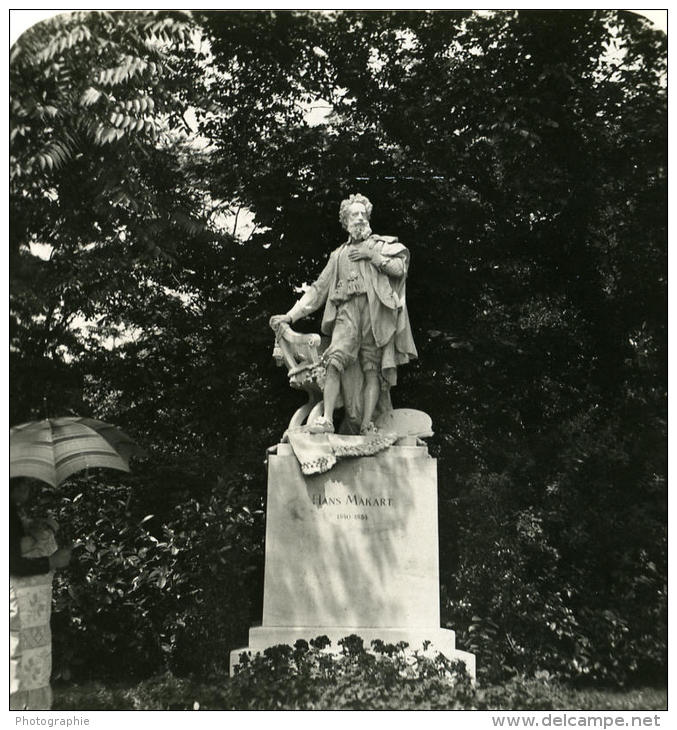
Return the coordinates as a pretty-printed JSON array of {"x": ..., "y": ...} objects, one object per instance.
[
  {"x": 384, "y": 677},
  {"x": 147, "y": 592}
]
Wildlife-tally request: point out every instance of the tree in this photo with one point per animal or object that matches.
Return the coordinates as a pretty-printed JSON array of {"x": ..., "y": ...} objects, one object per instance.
[
  {"x": 118, "y": 317},
  {"x": 503, "y": 148},
  {"x": 96, "y": 179},
  {"x": 519, "y": 155}
]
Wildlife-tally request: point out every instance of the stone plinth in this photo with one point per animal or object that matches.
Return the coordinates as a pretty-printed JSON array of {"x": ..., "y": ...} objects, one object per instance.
[{"x": 353, "y": 551}]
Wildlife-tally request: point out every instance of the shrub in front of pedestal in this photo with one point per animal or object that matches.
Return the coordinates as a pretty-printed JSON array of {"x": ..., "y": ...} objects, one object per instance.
[
  {"x": 383, "y": 676},
  {"x": 160, "y": 580}
]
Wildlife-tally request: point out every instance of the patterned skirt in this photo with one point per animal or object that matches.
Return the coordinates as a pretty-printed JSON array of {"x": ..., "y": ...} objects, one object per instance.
[{"x": 30, "y": 647}]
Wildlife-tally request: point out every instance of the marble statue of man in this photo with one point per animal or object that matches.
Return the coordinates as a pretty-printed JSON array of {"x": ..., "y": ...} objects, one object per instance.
[{"x": 362, "y": 288}]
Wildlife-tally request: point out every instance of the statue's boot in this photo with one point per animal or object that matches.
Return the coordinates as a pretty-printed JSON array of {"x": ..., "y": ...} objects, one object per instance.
[{"x": 321, "y": 425}]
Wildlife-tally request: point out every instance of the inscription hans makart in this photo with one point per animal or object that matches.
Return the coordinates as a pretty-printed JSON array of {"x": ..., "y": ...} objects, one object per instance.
[{"x": 355, "y": 500}]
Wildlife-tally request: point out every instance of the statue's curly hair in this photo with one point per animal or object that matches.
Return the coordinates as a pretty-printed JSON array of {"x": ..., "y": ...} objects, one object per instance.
[{"x": 345, "y": 205}]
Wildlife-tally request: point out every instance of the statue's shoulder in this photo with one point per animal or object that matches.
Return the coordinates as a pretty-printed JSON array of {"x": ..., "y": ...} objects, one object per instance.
[
  {"x": 387, "y": 245},
  {"x": 377, "y": 238}
]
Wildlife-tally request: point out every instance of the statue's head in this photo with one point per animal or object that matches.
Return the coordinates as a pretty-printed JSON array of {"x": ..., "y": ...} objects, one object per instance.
[{"x": 354, "y": 214}]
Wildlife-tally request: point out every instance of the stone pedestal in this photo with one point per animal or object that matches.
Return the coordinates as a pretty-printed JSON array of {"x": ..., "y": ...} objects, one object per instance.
[{"x": 353, "y": 551}]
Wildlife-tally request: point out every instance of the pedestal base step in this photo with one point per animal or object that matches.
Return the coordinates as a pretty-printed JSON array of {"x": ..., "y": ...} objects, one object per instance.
[{"x": 440, "y": 640}]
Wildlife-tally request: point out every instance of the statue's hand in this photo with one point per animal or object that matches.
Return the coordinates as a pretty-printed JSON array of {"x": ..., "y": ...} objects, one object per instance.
[
  {"x": 277, "y": 319},
  {"x": 359, "y": 252}
]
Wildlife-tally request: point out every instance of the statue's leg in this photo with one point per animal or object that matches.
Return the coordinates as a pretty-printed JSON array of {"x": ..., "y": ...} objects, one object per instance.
[
  {"x": 372, "y": 389},
  {"x": 352, "y": 390},
  {"x": 332, "y": 387},
  {"x": 371, "y": 358},
  {"x": 340, "y": 354}
]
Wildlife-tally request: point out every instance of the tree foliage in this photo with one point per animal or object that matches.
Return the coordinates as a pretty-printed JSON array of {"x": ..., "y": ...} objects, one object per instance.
[
  {"x": 89, "y": 189},
  {"x": 521, "y": 158}
]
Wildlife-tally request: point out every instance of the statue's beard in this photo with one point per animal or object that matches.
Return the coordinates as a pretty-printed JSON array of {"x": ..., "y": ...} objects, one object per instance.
[{"x": 359, "y": 231}]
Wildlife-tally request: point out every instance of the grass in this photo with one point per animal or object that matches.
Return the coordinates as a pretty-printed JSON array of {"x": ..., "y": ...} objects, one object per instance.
[
  {"x": 647, "y": 698},
  {"x": 170, "y": 693}
]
